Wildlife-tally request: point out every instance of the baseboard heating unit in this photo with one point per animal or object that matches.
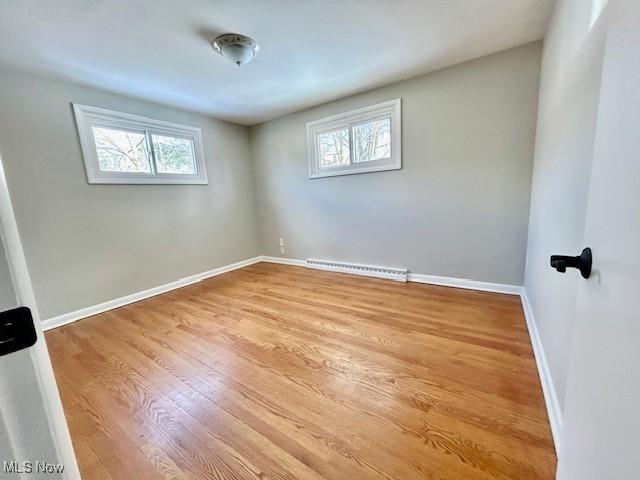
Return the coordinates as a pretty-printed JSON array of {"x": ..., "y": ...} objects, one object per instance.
[{"x": 397, "y": 274}]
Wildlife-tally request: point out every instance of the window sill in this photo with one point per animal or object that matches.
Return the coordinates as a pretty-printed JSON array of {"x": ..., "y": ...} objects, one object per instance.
[{"x": 353, "y": 171}]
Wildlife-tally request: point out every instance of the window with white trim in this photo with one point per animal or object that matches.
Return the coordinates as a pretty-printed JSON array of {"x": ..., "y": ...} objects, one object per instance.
[
  {"x": 123, "y": 148},
  {"x": 359, "y": 141}
]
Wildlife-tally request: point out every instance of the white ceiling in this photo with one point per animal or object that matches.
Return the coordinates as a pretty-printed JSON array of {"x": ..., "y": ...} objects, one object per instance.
[{"x": 311, "y": 50}]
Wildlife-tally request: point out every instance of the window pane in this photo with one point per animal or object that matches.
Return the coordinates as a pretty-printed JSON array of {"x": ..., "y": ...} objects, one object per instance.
[
  {"x": 121, "y": 150},
  {"x": 173, "y": 155},
  {"x": 333, "y": 148},
  {"x": 372, "y": 141}
]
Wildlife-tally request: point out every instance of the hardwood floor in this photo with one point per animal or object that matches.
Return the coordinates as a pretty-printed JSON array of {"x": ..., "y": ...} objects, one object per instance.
[{"x": 279, "y": 372}]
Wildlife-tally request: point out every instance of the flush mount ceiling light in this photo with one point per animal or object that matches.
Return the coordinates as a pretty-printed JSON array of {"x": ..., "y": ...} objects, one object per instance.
[{"x": 240, "y": 49}]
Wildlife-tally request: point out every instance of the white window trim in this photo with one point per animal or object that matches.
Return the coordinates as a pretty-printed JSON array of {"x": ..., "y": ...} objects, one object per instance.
[
  {"x": 86, "y": 116},
  {"x": 350, "y": 119}
]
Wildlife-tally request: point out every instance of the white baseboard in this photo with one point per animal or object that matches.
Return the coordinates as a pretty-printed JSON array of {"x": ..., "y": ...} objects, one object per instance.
[
  {"x": 416, "y": 277},
  {"x": 550, "y": 397},
  {"x": 464, "y": 283},
  {"x": 76, "y": 315},
  {"x": 283, "y": 261}
]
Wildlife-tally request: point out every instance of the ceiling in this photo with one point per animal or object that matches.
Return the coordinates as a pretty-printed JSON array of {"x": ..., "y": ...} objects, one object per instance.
[{"x": 311, "y": 50}]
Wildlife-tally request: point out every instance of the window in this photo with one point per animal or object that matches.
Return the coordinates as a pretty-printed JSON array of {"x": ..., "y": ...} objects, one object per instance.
[
  {"x": 364, "y": 140},
  {"x": 123, "y": 148}
]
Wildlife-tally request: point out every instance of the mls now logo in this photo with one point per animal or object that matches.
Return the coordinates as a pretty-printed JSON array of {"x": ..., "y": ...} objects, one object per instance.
[{"x": 33, "y": 467}]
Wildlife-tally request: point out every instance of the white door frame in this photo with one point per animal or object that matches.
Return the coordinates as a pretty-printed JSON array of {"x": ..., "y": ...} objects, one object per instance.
[{"x": 10, "y": 236}]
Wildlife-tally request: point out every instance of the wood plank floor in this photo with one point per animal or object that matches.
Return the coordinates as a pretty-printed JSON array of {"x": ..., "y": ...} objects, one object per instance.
[{"x": 279, "y": 372}]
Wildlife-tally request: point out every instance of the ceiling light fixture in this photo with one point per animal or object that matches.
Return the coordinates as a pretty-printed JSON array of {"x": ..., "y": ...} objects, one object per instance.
[{"x": 240, "y": 49}]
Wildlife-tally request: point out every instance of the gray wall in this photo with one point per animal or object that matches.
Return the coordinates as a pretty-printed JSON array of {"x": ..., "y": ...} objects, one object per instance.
[
  {"x": 87, "y": 244},
  {"x": 567, "y": 114},
  {"x": 459, "y": 206},
  {"x": 7, "y": 294}
]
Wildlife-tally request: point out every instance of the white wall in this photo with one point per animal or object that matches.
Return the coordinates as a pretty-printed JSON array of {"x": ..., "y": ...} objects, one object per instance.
[
  {"x": 459, "y": 206},
  {"x": 86, "y": 244},
  {"x": 567, "y": 113}
]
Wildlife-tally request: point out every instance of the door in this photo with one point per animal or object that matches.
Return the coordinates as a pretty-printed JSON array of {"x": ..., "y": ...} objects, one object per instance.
[
  {"x": 601, "y": 435},
  {"x": 33, "y": 429}
]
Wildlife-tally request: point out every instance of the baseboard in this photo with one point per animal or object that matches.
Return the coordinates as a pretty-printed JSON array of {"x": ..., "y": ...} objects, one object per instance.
[
  {"x": 421, "y": 278},
  {"x": 284, "y": 261},
  {"x": 70, "y": 317},
  {"x": 464, "y": 283},
  {"x": 550, "y": 397},
  {"x": 76, "y": 315}
]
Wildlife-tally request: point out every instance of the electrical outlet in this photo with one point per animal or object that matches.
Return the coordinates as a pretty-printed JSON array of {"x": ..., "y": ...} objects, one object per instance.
[{"x": 281, "y": 242}]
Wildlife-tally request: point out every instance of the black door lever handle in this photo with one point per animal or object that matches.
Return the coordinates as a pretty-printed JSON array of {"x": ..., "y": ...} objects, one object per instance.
[
  {"x": 16, "y": 330},
  {"x": 582, "y": 262}
]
